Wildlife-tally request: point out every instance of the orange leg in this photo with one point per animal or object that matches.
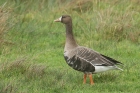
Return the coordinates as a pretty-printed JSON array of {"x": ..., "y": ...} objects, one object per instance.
[
  {"x": 85, "y": 76},
  {"x": 91, "y": 80}
]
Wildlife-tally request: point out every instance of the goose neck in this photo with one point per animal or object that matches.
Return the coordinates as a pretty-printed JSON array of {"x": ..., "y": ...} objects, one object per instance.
[{"x": 70, "y": 40}]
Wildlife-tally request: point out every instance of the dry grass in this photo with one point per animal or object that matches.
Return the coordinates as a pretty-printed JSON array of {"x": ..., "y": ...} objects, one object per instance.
[
  {"x": 8, "y": 88},
  {"x": 134, "y": 36},
  {"x": 23, "y": 66},
  {"x": 111, "y": 20},
  {"x": 4, "y": 14},
  {"x": 36, "y": 71},
  {"x": 19, "y": 67}
]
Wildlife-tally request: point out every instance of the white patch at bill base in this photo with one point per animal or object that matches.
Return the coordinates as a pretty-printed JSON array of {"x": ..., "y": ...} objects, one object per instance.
[{"x": 60, "y": 18}]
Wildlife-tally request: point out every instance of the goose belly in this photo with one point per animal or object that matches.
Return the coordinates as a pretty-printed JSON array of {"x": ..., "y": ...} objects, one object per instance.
[
  {"x": 72, "y": 62},
  {"x": 99, "y": 69},
  {"x": 79, "y": 65}
]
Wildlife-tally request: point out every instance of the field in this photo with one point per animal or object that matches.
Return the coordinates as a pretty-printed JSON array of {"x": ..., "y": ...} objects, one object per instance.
[{"x": 31, "y": 45}]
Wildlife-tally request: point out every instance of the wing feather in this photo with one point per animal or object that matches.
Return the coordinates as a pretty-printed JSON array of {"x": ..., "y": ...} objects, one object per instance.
[{"x": 94, "y": 57}]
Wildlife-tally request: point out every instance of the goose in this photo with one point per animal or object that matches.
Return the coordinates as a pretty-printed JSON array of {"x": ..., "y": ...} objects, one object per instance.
[{"x": 82, "y": 58}]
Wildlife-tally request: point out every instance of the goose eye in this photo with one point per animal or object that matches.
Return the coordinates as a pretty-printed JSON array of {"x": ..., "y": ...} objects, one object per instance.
[{"x": 63, "y": 17}]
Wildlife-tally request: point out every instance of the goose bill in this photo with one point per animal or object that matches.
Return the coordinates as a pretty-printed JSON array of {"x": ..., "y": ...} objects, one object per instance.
[{"x": 58, "y": 20}]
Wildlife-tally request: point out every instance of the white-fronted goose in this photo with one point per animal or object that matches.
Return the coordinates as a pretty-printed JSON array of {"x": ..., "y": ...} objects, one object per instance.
[{"x": 84, "y": 59}]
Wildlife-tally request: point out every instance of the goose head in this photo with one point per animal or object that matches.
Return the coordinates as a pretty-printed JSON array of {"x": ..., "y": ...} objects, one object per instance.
[{"x": 65, "y": 19}]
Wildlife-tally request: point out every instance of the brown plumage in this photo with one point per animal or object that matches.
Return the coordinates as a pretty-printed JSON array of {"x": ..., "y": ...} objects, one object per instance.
[{"x": 84, "y": 59}]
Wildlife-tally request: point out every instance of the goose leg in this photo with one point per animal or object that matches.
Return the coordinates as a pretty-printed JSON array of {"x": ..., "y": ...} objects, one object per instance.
[
  {"x": 85, "y": 76},
  {"x": 91, "y": 80}
]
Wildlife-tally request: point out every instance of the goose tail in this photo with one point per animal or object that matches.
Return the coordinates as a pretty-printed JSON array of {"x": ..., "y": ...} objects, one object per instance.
[{"x": 119, "y": 68}]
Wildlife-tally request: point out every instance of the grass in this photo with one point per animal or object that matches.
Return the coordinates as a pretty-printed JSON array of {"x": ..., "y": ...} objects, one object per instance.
[{"x": 31, "y": 45}]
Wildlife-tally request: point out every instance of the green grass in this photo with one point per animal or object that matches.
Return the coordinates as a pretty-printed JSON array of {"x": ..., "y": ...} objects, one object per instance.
[{"x": 31, "y": 45}]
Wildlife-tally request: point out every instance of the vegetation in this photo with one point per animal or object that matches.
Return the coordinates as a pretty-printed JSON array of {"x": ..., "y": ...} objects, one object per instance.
[{"x": 31, "y": 45}]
